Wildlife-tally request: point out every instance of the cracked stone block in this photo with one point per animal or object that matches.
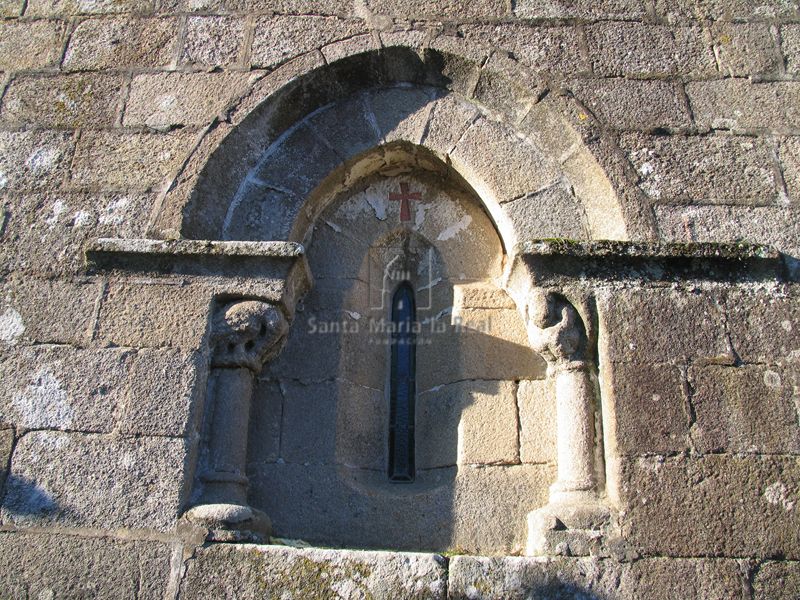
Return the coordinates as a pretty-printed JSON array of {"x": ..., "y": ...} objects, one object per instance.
[
  {"x": 747, "y": 504},
  {"x": 703, "y": 170},
  {"x": 70, "y": 101},
  {"x": 751, "y": 409},
  {"x": 74, "y": 568},
  {"x": 95, "y": 481},
  {"x": 121, "y": 42},
  {"x": 553, "y": 212},
  {"x": 163, "y": 100},
  {"x": 6, "y": 444},
  {"x": 741, "y": 105},
  {"x": 789, "y": 154},
  {"x": 500, "y": 165},
  {"x": 120, "y": 161},
  {"x": 29, "y": 45},
  {"x": 213, "y": 41},
  {"x": 279, "y": 38},
  {"x": 34, "y": 160},
  {"x": 650, "y": 410},
  {"x": 248, "y": 570}
]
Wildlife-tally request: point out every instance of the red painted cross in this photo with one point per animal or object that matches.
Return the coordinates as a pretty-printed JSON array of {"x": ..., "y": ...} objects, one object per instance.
[{"x": 403, "y": 197}]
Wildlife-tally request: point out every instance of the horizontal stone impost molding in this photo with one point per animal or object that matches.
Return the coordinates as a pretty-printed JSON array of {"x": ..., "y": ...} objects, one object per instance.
[
  {"x": 558, "y": 261},
  {"x": 228, "y": 267}
]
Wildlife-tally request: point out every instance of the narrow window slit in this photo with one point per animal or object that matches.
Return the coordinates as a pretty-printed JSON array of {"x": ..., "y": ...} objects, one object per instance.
[{"x": 402, "y": 385}]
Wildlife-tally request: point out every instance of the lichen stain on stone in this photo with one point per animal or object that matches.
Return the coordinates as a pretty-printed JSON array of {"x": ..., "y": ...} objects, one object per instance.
[
  {"x": 776, "y": 494},
  {"x": 11, "y": 326},
  {"x": 44, "y": 403}
]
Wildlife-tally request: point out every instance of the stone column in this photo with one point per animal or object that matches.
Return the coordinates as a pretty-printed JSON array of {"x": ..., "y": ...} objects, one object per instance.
[
  {"x": 245, "y": 334},
  {"x": 569, "y": 523}
]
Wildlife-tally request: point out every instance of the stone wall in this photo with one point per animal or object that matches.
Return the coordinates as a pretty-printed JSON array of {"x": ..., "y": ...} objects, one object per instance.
[{"x": 648, "y": 120}]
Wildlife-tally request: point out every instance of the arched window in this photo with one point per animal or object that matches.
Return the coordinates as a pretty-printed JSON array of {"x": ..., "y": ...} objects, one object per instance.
[{"x": 402, "y": 385}]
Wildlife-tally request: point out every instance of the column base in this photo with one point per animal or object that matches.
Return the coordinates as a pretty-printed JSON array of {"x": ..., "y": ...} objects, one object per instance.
[
  {"x": 569, "y": 528},
  {"x": 231, "y": 522}
]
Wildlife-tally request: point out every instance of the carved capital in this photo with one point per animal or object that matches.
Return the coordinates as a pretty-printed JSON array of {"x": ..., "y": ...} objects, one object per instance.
[
  {"x": 247, "y": 334},
  {"x": 555, "y": 329}
]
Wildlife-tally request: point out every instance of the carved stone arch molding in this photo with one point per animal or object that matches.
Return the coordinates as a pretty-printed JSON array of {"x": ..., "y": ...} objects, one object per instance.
[{"x": 534, "y": 161}]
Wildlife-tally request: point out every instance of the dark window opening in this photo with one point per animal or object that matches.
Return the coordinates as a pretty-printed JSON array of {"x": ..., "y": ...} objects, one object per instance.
[{"x": 402, "y": 385}]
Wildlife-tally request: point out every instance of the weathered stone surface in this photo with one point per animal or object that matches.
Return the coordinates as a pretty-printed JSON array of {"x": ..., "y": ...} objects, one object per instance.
[
  {"x": 400, "y": 113},
  {"x": 656, "y": 325},
  {"x": 500, "y": 165},
  {"x": 560, "y": 9},
  {"x": 48, "y": 8},
  {"x": 789, "y": 153},
  {"x": 98, "y": 481},
  {"x": 34, "y": 159},
  {"x": 747, "y": 409},
  {"x": 70, "y": 567},
  {"x": 213, "y": 41},
  {"x": 113, "y": 161},
  {"x": 567, "y": 578},
  {"x": 478, "y": 509},
  {"x": 277, "y": 39},
  {"x": 266, "y": 422},
  {"x": 69, "y": 306},
  {"x": 649, "y": 408},
  {"x": 761, "y": 224},
  {"x": 536, "y": 400},
  {"x": 29, "y": 45},
  {"x": 746, "y": 49},
  {"x": 764, "y": 324},
  {"x": 640, "y": 105},
  {"x": 249, "y": 571},
  {"x": 152, "y": 313},
  {"x": 442, "y": 9},
  {"x": 724, "y": 10},
  {"x": 290, "y": 7},
  {"x": 741, "y": 105},
  {"x": 790, "y": 45},
  {"x": 119, "y": 43},
  {"x": 64, "y": 101},
  {"x": 450, "y": 117},
  {"x": 163, "y": 100},
  {"x": 747, "y": 505},
  {"x": 706, "y": 170},
  {"x": 618, "y": 49},
  {"x": 47, "y": 388},
  {"x": 548, "y": 49},
  {"x": 549, "y": 213},
  {"x": 776, "y": 579},
  {"x": 46, "y": 233},
  {"x": 350, "y": 47},
  {"x": 11, "y": 8},
  {"x": 59, "y": 387},
  {"x": 472, "y": 422}
]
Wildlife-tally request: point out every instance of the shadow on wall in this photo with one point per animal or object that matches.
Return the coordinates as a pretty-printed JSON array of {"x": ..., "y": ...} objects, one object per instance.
[{"x": 26, "y": 499}]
